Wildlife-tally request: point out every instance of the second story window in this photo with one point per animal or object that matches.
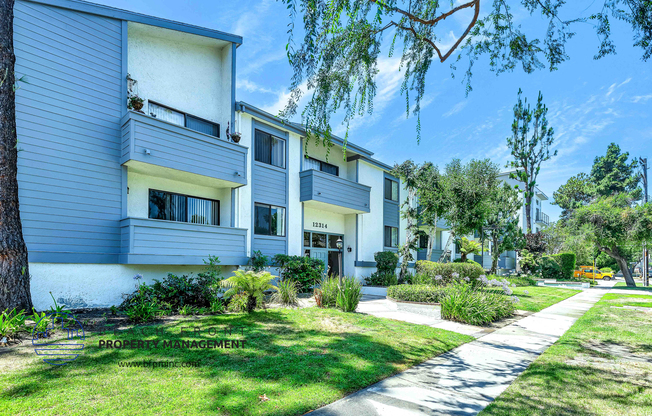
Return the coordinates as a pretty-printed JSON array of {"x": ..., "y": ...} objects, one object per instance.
[
  {"x": 184, "y": 120},
  {"x": 310, "y": 163},
  {"x": 391, "y": 236},
  {"x": 269, "y": 220},
  {"x": 391, "y": 190},
  {"x": 269, "y": 149},
  {"x": 176, "y": 207}
]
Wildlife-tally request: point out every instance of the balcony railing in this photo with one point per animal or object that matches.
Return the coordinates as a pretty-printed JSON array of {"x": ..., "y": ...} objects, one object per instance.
[
  {"x": 332, "y": 193},
  {"x": 149, "y": 241},
  {"x": 156, "y": 142},
  {"x": 542, "y": 218}
]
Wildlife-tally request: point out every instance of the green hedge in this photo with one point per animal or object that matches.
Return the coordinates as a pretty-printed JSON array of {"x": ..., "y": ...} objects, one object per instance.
[
  {"x": 416, "y": 293},
  {"x": 427, "y": 270},
  {"x": 559, "y": 266},
  {"x": 567, "y": 263}
]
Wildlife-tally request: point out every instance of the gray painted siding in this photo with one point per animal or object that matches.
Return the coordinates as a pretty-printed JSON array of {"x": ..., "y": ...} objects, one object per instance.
[
  {"x": 68, "y": 116},
  {"x": 421, "y": 254},
  {"x": 270, "y": 245},
  {"x": 331, "y": 189},
  {"x": 271, "y": 185},
  {"x": 182, "y": 149},
  {"x": 391, "y": 214},
  {"x": 148, "y": 241}
]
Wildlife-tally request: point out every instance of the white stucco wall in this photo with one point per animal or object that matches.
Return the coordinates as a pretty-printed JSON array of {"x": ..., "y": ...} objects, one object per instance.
[
  {"x": 335, "y": 157},
  {"x": 243, "y": 194},
  {"x": 186, "y": 72},
  {"x": 139, "y": 186},
  {"x": 295, "y": 232},
  {"x": 371, "y": 225},
  {"x": 94, "y": 285}
]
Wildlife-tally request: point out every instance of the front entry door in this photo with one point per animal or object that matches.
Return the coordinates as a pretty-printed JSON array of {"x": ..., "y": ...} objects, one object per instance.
[{"x": 320, "y": 255}]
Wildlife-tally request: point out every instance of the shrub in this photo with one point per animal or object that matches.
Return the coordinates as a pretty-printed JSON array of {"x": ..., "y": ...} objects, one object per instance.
[
  {"x": 550, "y": 268},
  {"x": 306, "y": 271},
  {"x": 466, "y": 261},
  {"x": 349, "y": 294},
  {"x": 386, "y": 262},
  {"x": 11, "y": 322},
  {"x": 529, "y": 262},
  {"x": 381, "y": 279},
  {"x": 520, "y": 280},
  {"x": 416, "y": 293},
  {"x": 328, "y": 291},
  {"x": 475, "y": 306},
  {"x": 566, "y": 262},
  {"x": 286, "y": 293},
  {"x": 259, "y": 261},
  {"x": 432, "y": 273},
  {"x": 238, "y": 303},
  {"x": 250, "y": 283},
  {"x": 143, "y": 312},
  {"x": 40, "y": 321}
]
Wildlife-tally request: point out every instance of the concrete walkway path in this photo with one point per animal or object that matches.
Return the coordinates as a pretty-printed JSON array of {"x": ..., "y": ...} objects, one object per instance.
[{"x": 465, "y": 380}]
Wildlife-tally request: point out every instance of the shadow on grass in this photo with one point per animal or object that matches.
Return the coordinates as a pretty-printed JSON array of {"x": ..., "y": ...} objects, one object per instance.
[{"x": 319, "y": 354}]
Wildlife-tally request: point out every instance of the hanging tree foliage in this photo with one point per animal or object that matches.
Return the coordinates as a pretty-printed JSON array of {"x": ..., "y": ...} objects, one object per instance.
[{"x": 336, "y": 61}]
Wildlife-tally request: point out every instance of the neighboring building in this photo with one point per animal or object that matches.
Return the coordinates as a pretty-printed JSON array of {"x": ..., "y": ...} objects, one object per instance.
[{"x": 107, "y": 193}]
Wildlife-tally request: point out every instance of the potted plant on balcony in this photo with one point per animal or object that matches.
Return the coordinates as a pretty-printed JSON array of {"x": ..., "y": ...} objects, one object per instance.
[
  {"x": 235, "y": 136},
  {"x": 134, "y": 102}
]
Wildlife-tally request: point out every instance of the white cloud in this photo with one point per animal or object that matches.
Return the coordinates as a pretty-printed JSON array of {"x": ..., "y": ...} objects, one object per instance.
[
  {"x": 641, "y": 98},
  {"x": 456, "y": 108}
]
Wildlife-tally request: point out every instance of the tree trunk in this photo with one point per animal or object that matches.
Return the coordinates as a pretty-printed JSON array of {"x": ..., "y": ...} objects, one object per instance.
[
  {"x": 614, "y": 253},
  {"x": 14, "y": 272},
  {"x": 431, "y": 239},
  {"x": 494, "y": 254},
  {"x": 462, "y": 256},
  {"x": 528, "y": 212}
]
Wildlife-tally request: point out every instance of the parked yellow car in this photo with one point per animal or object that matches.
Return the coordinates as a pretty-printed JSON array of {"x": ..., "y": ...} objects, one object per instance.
[{"x": 590, "y": 273}]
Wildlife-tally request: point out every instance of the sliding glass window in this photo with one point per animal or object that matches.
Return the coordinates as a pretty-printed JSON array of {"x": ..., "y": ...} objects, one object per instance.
[
  {"x": 269, "y": 220},
  {"x": 183, "y": 208},
  {"x": 391, "y": 236},
  {"x": 269, "y": 149}
]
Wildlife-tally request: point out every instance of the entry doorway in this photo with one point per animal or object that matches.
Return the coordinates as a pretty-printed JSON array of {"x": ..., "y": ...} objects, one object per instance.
[{"x": 323, "y": 246}]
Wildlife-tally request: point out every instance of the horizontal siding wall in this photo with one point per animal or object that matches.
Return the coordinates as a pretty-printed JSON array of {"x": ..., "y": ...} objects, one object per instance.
[
  {"x": 330, "y": 189},
  {"x": 391, "y": 215},
  {"x": 68, "y": 124}
]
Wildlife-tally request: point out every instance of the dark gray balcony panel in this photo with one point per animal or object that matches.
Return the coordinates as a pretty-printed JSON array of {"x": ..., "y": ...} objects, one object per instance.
[{"x": 330, "y": 192}]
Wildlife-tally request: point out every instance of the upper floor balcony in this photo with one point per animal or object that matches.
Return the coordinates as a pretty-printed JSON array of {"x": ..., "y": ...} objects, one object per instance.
[
  {"x": 332, "y": 193},
  {"x": 542, "y": 218},
  {"x": 169, "y": 147}
]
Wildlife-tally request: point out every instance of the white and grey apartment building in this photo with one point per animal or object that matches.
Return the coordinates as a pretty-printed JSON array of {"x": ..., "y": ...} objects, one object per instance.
[{"x": 107, "y": 193}]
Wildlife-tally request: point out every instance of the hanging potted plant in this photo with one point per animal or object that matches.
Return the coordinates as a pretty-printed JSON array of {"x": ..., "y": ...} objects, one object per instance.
[
  {"x": 235, "y": 136},
  {"x": 134, "y": 102}
]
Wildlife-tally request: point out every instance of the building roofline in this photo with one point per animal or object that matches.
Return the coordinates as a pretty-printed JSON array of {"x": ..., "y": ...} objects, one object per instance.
[
  {"x": 297, "y": 128},
  {"x": 115, "y": 13}
]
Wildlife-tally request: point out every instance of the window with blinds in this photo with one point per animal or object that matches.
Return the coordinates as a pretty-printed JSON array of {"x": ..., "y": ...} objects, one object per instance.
[
  {"x": 183, "y": 208},
  {"x": 311, "y": 163},
  {"x": 184, "y": 120},
  {"x": 269, "y": 149}
]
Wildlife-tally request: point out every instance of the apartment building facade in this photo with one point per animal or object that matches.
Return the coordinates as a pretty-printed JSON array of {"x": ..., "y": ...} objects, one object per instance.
[{"x": 107, "y": 192}]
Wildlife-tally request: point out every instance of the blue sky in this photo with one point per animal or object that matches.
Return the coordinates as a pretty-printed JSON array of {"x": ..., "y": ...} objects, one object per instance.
[{"x": 591, "y": 103}]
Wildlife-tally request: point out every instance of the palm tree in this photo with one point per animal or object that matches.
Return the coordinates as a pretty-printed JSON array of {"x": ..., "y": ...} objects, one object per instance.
[{"x": 251, "y": 284}]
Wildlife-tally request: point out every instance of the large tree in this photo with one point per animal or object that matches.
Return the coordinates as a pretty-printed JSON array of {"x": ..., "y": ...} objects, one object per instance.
[
  {"x": 501, "y": 226},
  {"x": 409, "y": 173},
  {"x": 576, "y": 192},
  {"x": 337, "y": 60},
  {"x": 14, "y": 269},
  {"x": 613, "y": 173},
  {"x": 615, "y": 223},
  {"x": 529, "y": 151},
  {"x": 434, "y": 201}
]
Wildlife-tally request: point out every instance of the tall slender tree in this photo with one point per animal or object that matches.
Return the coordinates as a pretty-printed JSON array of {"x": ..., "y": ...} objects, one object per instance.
[
  {"x": 529, "y": 151},
  {"x": 409, "y": 173},
  {"x": 14, "y": 268},
  {"x": 433, "y": 200},
  {"x": 501, "y": 226}
]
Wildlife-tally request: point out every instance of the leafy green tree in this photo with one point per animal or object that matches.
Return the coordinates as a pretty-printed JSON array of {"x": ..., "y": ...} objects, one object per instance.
[
  {"x": 468, "y": 247},
  {"x": 342, "y": 41},
  {"x": 434, "y": 201},
  {"x": 615, "y": 223},
  {"x": 529, "y": 151},
  {"x": 253, "y": 285},
  {"x": 613, "y": 173},
  {"x": 501, "y": 226},
  {"x": 409, "y": 173},
  {"x": 576, "y": 192},
  {"x": 470, "y": 189}
]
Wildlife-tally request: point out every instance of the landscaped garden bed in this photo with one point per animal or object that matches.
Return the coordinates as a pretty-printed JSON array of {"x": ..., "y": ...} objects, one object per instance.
[{"x": 295, "y": 360}]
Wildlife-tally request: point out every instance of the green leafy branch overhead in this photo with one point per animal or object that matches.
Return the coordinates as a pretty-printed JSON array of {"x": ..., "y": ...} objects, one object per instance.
[{"x": 335, "y": 61}]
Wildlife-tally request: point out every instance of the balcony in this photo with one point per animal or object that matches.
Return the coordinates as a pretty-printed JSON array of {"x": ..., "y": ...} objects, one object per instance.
[
  {"x": 148, "y": 241},
  {"x": 165, "y": 148},
  {"x": 331, "y": 193},
  {"x": 542, "y": 218}
]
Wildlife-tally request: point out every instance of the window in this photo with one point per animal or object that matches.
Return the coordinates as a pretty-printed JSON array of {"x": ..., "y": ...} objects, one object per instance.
[
  {"x": 391, "y": 236},
  {"x": 423, "y": 241},
  {"x": 176, "y": 207},
  {"x": 269, "y": 220},
  {"x": 184, "y": 120},
  {"x": 310, "y": 163},
  {"x": 391, "y": 190},
  {"x": 318, "y": 240},
  {"x": 269, "y": 149}
]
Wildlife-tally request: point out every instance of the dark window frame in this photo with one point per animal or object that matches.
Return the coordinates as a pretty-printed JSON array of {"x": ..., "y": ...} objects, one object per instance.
[
  {"x": 321, "y": 166},
  {"x": 185, "y": 119},
  {"x": 385, "y": 238},
  {"x": 391, "y": 184},
  {"x": 270, "y": 216},
  {"x": 285, "y": 150},
  {"x": 219, "y": 206}
]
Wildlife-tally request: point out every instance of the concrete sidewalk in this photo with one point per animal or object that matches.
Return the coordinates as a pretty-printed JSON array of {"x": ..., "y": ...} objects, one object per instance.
[{"x": 466, "y": 379}]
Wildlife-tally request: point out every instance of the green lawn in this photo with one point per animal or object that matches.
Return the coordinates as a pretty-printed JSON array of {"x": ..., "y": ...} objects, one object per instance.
[
  {"x": 639, "y": 286},
  {"x": 300, "y": 359},
  {"x": 540, "y": 297},
  {"x": 601, "y": 366}
]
